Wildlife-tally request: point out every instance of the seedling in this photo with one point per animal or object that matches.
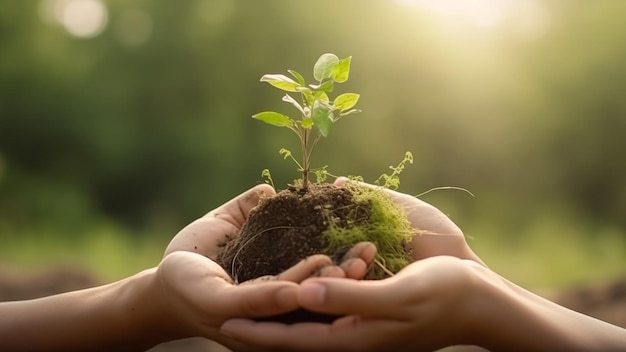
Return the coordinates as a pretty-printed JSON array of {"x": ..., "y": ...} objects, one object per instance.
[
  {"x": 317, "y": 112},
  {"x": 318, "y": 217}
]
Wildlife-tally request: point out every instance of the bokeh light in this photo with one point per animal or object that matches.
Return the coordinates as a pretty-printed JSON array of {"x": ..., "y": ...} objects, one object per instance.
[
  {"x": 80, "y": 18},
  {"x": 133, "y": 27}
]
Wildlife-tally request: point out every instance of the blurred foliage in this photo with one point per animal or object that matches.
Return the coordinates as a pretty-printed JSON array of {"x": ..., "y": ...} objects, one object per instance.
[{"x": 146, "y": 124}]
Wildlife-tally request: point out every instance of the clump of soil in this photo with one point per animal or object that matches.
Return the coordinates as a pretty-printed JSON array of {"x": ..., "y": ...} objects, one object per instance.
[{"x": 296, "y": 223}]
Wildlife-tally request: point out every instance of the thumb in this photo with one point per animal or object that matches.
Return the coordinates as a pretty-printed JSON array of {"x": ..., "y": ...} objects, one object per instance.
[
  {"x": 260, "y": 299},
  {"x": 340, "y": 296}
]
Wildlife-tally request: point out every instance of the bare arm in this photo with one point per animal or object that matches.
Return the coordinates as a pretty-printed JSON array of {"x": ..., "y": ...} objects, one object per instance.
[
  {"x": 522, "y": 318},
  {"x": 119, "y": 314}
]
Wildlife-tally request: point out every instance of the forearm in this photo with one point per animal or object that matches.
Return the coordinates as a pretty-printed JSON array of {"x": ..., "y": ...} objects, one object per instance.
[
  {"x": 121, "y": 315},
  {"x": 525, "y": 321}
]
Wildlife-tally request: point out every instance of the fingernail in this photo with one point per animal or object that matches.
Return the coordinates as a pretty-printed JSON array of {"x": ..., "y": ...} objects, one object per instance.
[{"x": 312, "y": 293}]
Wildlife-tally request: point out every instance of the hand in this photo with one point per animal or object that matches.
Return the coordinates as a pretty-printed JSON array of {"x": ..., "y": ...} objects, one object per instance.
[
  {"x": 198, "y": 295},
  {"x": 436, "y": 234},
  {"x": 205, "y": 235},
  {"x": 428, "y": 305}
]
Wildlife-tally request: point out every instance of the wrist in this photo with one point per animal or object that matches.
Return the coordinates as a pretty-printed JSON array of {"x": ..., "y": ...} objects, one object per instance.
[
  {"x": 146, "y": 310},
  {"x": 481, "y": 306}
]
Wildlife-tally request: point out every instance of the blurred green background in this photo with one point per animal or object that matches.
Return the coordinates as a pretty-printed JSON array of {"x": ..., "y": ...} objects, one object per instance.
[{"x": 122, "y": 121}]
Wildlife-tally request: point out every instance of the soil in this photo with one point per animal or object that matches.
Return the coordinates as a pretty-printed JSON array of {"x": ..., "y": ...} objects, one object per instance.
[{"x": 289, "y": 227}]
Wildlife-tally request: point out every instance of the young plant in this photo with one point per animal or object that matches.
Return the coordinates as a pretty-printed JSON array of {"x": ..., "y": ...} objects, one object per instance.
[{"x": 317, "y": 112}]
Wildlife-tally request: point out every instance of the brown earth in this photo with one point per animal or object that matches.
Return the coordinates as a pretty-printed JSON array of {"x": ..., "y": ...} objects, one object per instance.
[{"x": 287, "y": 228}]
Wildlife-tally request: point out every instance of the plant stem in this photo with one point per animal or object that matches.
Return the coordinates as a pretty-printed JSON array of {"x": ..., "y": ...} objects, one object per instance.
[{"x": 305, "y": 160}]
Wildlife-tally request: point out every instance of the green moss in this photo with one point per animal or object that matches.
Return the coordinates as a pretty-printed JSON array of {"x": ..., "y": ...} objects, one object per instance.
[{"x": 386, "y": 225}]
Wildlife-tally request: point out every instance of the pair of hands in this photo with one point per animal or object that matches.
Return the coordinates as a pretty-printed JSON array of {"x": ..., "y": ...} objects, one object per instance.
[{"x": 201, "y": 299}]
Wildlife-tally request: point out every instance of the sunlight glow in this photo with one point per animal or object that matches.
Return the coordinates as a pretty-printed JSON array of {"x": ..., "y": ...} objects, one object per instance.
[
  {"x": 80, "y": 18},
  {"x": 526, "y": 17},
  {"x": 483, "y": 13}
]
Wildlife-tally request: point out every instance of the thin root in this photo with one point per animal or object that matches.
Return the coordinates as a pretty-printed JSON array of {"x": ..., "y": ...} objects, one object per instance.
[
  {"x": 383, "y": 267},
  {"x": 445, "y": 188}
]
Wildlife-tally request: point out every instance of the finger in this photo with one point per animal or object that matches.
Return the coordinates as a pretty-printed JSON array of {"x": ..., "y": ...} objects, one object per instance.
[
  {"x": 331, "y": 271},
  {"x": 346, "y": 334},
  {"x": 345, "y": 297},
  {"x": 307, "y": 267},
  {"x": 354, "y": 268},
  {"x": 358, "y": 260},
  {"x": 363, "y": 250},
  {"x": 340, "y": 181},
  {"x": 257, "y": 299},
  {"x": 237, "y": 209}
]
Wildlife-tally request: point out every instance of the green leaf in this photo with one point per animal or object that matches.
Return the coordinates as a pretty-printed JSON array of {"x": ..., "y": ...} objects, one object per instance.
[
  {"x": 341, "y": 71},
  {"x": 326, "y": 86},
  {"x": 297, "y": 76},
  {"x": 307, "y": 95},
  {"x": 281, "y": 82},
  {"x": 346, "y": 101},
  {"x": 324, "y": 66},
  {"x": 274, "y": 118},
  {"x": 321, "y": 116},
  {"x": 321, "y": 96}
]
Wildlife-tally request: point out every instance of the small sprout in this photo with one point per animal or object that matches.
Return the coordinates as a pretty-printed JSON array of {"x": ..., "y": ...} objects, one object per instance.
[
  {"x": 316, "y": 109},
  {"x": 321, "y": 174},
  {"x": 393, "y": 181},
  {"x": 268, "y": 177},
  {"x": 286, "y": 153}
]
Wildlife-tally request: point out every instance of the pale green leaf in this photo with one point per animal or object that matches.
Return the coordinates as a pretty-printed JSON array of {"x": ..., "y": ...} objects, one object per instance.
[
  {"x": 324, "y": 66},
  {"x": 274, "y": 118},
  {"x": 341, "y": 71},
  {"x": 289, "y": 99},
  {"x": 281, "y": 82},
  {"x": 350, "y": 112},
  {"x": 346, "y": 101}
]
